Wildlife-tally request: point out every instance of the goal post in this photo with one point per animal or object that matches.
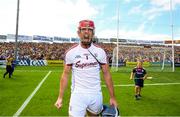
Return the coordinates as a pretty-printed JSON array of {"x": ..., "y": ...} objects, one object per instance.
[{"x": 155, "y": 58}]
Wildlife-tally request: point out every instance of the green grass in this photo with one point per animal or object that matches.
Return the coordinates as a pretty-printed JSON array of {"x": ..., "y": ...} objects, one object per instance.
[{"x": 158, "y": 100}]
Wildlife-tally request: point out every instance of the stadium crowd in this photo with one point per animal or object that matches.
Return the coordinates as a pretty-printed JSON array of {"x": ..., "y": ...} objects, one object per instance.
[
  {"x": 152, "y": 54},
  {"x": 56, "y": 51},
  {"x": 42, "y": 51}
]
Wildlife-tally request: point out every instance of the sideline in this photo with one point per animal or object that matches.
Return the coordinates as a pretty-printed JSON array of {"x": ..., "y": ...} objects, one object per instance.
[
  {"x": 155, "y": 84},
  {"x": 31, "y": 96}
]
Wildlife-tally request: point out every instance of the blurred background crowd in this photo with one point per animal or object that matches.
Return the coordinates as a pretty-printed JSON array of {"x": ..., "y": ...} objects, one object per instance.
[{"x": 56, "y": 51}]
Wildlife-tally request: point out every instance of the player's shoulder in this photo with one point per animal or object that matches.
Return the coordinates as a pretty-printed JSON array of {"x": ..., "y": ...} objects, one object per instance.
[
  {"x": 135, "y": 68},
  {"x": 71, "y": 48},
  {"x": 98, "y": 47}
]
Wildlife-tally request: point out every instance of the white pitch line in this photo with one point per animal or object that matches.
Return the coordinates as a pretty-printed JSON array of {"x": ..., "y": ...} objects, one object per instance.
[
  {"x": 31, "y": 70},
  {"x": 128, "y": 85},
  {"x": 30, "y": 96},
  {"x": 37, "y": 70}
]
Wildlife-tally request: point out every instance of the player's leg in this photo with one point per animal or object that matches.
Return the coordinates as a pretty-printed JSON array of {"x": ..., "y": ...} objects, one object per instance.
[
  {"x": 89, "y": 114},
  {"x": 136, "y": 92},
  {"x": 10, "y": 71},
  {"x": 95, "y": 105},
  {"x": 77, "y": 105},
  {"x": 141, "y": 85},
  {"x": 136, "y": 89},
  {"x": 7, "y": 67},
  {"x": 137, "y": 83}
]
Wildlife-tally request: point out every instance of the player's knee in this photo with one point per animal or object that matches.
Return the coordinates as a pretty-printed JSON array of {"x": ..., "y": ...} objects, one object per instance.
[{"x": 89, "y": 114}]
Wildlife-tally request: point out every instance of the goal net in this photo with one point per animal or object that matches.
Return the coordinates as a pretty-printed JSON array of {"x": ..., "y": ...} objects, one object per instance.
[{"x": 155, "y": 58}]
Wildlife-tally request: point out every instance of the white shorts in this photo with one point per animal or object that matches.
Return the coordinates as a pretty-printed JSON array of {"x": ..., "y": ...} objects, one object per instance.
[{"x": 81, "y": 102}]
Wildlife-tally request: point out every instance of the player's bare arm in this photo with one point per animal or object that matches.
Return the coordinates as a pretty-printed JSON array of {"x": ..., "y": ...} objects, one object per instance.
[
  {"x": 63, "y": 85},
  {"x": 132, "y": 76},
  {"x": 145, "y": 77},
  {"x": 109, "y": 84}
]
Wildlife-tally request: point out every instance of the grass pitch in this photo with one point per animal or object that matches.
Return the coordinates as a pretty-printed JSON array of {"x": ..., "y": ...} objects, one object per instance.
[{"x": 159, "y": 96}]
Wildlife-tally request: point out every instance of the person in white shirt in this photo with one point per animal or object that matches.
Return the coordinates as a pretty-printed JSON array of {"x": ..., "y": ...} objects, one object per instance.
[{"x": 85, "y": 60}]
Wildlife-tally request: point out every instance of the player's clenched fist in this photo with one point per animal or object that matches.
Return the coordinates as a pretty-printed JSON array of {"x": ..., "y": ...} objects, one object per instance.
[{"x": 58, "y": 103}]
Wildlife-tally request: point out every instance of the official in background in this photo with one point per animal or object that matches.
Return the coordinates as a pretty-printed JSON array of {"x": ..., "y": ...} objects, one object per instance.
[
  {"x": 139, "y": 74},
  {"x": 9, "y": 60},
  {"x": 13, "y": 65}
]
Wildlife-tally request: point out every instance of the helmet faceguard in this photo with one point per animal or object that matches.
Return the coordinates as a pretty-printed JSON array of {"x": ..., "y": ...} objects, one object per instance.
[
  {"x": 86, "y": 38},
  {"x": 110, "y": 111}
]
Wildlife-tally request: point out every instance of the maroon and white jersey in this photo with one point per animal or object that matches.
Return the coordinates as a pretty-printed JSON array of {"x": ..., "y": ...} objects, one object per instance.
[{"x": 85, "y": 68}]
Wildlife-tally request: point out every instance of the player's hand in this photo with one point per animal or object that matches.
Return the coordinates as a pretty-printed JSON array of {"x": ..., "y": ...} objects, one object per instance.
[
  {"x": 113, "y": 102},
  {"x": 58, "y": 103},
  {"x": 131, "y": 78}
]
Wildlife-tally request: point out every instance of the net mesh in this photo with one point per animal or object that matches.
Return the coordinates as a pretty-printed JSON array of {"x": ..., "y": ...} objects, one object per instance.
[{"x": 155, "y": 58}]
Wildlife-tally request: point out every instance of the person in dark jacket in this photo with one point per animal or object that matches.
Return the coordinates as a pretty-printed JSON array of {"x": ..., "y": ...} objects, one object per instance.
[{"x": 139, "y": 74}]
